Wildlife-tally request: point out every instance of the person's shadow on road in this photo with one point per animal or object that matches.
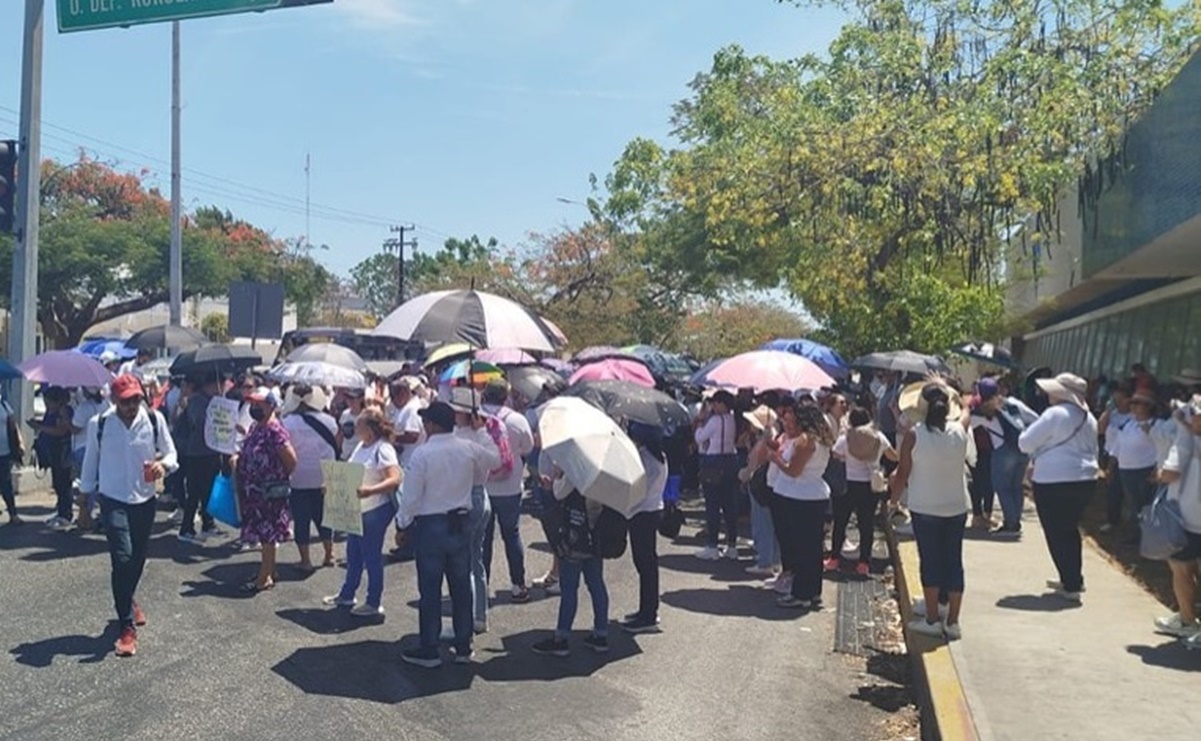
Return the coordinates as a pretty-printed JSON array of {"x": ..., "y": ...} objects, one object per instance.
[
  {"x": 1170, "y": 655},
  {"x": 328, "y": 621},
  {"x": 735, "y": 601},
  {"x": 517, "y": 662},
  {"x": 1037, "y": 603},
  {"x": 369, "y": 670},
  {"x": 90, "y": 649}
]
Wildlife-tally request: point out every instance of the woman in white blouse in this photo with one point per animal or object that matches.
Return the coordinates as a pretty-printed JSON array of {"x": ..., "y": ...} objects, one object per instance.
[
  {"x": 715, "y": 441},
  {"x": 1182, "y": 472},
  {"x": 1133, "y": 445},
  {"x": 1063, "y": 446}
]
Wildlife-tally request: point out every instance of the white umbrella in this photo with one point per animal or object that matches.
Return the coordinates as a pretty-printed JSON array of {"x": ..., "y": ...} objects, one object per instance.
[
  {"x": 474, "y": 317},
  {"x": 596, "y": 457},
  {"x": 318, "y": 373}
]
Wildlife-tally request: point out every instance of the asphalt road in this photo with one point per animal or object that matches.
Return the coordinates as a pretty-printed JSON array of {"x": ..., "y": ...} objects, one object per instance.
[{"x": 214, "y": 663}]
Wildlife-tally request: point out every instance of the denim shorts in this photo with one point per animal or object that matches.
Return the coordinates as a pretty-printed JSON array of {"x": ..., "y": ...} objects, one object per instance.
[{"x": 1192, "y": 551}]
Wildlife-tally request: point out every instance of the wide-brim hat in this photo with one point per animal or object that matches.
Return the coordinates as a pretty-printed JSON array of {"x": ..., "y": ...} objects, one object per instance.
[
  {"x": 761, "y": 417},
  {"x": 1067, "y": 387},
  {"x": 1189, "y": 377},
  {"x": 914, "y": 405}
]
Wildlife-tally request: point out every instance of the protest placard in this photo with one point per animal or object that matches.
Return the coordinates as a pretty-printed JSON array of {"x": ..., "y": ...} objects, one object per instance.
[{"x": 342, "y": 482}]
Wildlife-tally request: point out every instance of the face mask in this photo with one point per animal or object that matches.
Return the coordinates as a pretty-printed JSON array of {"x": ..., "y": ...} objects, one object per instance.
[{"x": 258, "y": 414}]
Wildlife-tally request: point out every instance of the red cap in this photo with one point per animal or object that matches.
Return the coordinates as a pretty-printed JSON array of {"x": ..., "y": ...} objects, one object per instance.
[{"x": 125, "y": 387}]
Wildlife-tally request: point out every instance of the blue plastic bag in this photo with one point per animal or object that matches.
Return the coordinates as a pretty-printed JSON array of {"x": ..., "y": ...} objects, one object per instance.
[
  {"x": 223, "y": 502},
  {"x": 1163, "y": 528}
]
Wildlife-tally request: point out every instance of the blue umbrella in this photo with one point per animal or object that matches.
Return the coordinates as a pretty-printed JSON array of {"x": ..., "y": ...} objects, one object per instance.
[
  {"x": 820, "y": 355},
  {"x": 8, "y": 371},
  {"x": 96, "y": 347}
]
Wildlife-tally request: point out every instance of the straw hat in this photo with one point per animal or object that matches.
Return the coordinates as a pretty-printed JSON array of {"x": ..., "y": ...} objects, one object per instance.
[
  {"x": 761, "y": 418},
  {"x": 914, "y": 404},
  {"x": 1066, "y": 387}
]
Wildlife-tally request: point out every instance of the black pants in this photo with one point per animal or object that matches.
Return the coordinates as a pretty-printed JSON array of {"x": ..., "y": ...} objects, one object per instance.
[
  {"x": 7, "y": 491},
  {"x": 62, "y": 479},
  {"x": 860, "y": 500},
  {"x": 644, "y": 531},
  {"x": 720, "y": 472},
  {"x": 1060, "y": 507},
  {"x": 981, "y": 489},
  {"x": 127, "y": 527},
  {"x": 199, "y": 473},
  {"x": 800, "y": 528}
]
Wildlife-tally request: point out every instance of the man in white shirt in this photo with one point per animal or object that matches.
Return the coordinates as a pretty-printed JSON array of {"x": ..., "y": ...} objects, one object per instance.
[
  {"x": 504, "y": 489},
  {"x": 434, "y": 506},
  {"x": 715, "y": 442},
  {"x": 135, "y": 367},
  {"x": 128, "y": 451},
  {"x": 403, "y": 409}
]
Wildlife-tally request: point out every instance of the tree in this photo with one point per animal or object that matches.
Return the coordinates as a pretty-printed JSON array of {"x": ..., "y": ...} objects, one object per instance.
[
  {"x": 216, "y": 328},
  {"x": 720, "y": 329},
  {"x": 902, "y": 167},
  {"x": 105, "y": 240},
  {"x": 376, "y": 280}
]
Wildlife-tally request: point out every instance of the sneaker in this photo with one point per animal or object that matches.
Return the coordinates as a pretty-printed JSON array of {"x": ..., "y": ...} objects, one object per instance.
[
  {"x": 127, "y": 642},
  {"x": 863, "y": 569},
  {"x": 58, "y": 523},
  {"x": 783, "y": 585},
  {"x": 546, "y": 581},
  {"x": 634, "y": 624},
  {"x": 1006, "y": 532},
  {"x": 139, "y": 617},
  {"x": 367, "y": 611},
  {"x": 189, "y": 538},
  {"x": 555, "y": 589},
  {"x": 426, "y": 659},
  {"x": 923, "y": 627},
  {"x": 599, "y": 644},
  {"x": 833, "y": 563},
  {"x": 552, "y": 647},
  {"x": 793, "y": 602},
  {"x": 1069, "y": 596},
  {"x": 211, "y": 531},
  {"x": 462, "y": 657},
  {"x": 521, "y": 595},
  {"x": 1193, "y": 643},
  {"x": 730, "y": 553},
  {"x": 760, "y": 571},
  {"x": 953, "y": 632},
  {"x": 177, "y": 517},
  {"x": 1058, "y": 586},
  {"x": 709, "y": 553},
  {"x": 1173, "y": 625},
  {"x": 335, "y": 600},
  {"x": 919, "y": 608}
]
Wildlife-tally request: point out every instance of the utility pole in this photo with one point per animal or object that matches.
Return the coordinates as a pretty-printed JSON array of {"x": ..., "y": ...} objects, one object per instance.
[
  {"x": 399, "y": 243},
  {"x": 22, "y": 327},
  {"x": 307, "y": 191},
  {"x": 175, "y": 276}
]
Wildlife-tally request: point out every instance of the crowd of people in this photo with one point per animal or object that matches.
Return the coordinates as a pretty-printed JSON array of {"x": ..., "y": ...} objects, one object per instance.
[{"x": 445, "y": 467}]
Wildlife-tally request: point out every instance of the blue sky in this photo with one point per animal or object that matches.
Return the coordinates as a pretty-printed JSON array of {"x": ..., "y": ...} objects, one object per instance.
[{"x": 462, "y": 116}]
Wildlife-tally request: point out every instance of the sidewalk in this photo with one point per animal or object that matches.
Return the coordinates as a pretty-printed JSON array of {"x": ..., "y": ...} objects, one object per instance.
[{"x": 1032, "y": 666}]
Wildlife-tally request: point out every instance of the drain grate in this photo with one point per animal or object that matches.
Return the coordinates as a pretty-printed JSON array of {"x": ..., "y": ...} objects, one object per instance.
[{"x": 861, "y": 626}]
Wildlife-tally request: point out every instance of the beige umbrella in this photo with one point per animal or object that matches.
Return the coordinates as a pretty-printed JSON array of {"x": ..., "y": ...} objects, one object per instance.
[{"x": 596, "y": 457}]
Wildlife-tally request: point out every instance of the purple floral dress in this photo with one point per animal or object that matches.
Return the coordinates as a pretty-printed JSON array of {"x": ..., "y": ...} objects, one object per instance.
[{"x": 263, "y": 520}]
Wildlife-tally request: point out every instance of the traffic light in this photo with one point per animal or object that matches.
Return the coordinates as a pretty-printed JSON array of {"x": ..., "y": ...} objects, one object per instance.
[{"x": 8, "y": 185}]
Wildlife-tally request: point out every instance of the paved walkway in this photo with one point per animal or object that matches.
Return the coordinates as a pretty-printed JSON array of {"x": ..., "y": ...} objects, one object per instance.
[{"x": 1032, "y": 666}]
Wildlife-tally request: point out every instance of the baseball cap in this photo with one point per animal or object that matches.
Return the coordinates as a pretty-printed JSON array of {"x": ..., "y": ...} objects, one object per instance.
[
  {"x": 441, "y": 414},
  {"x": 126, "y": 387},
  {"x": 988, "y": 388}
]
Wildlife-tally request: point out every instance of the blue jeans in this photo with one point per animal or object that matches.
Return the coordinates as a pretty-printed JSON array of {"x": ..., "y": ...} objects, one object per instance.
[
  {"x": 1135, "y": 484},
  {"x": 507, "y": 511},
  {"x": 442, "y": 554},
  {"x": 721, "y": 497},
  {"x": 767, "y": 548},
  {"x": 940, "y": 551},
  {"x": 308, "y": 509},
  {"x": 1008, "y": 474},
  {"x": 593, "y": 571},
  {"x": 477, "y": 526},
  {"x": 366, "y": 552}
]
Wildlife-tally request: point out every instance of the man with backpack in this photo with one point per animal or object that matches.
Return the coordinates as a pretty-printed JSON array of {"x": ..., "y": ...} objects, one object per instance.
[
  {"x": 1005, "y": 418},
  {"x": 504, "y": 487},
  {"x": 129, "y": 449}
]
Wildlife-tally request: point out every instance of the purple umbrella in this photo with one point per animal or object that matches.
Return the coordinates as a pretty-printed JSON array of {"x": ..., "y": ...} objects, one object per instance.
[
  {"x": 65, "y": 368},
  {"x": 603, "y": 352}
]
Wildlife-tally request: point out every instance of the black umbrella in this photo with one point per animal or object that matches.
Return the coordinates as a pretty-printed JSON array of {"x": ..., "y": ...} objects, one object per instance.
[
  {"x": 902, "y": 361},
  {"x": 530, "y": 380},
  {"x": 986, "y": 352},
  {"x": 633, "y": 402},
  {"x": 215, "y": 360},
  {"x": 167, "y": 337}
]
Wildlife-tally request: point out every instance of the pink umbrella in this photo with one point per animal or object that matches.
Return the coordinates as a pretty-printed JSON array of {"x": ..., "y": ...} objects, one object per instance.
[
  {"x": 767, "y": 370},
  {"x": 506, "y": 356},
  {"x": 65, "y": 368},
  {"x": 615, "y": 369}
]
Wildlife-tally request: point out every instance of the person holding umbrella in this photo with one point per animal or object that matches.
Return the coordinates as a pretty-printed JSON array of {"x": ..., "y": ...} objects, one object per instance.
[
  {"x": 53, "y": 447},
  {"x": 644, "y": 527}
]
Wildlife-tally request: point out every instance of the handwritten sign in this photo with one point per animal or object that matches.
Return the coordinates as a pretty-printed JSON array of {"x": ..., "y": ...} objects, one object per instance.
[
  {"x": 220, "y": 425},
  {"x": 342, "y": 510}
]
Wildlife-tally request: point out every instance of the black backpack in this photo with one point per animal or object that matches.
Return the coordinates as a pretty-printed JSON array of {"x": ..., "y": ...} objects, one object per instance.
[
  {"x": 609, "y": 534},
  {"x": 574, "y": 540}
]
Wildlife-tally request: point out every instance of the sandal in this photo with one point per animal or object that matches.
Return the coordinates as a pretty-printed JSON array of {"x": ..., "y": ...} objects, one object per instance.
[{"x": 252, "y": 587}]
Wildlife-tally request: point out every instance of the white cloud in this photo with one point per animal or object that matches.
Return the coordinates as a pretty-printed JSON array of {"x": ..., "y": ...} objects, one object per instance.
[{"x": 379, "y": 14}]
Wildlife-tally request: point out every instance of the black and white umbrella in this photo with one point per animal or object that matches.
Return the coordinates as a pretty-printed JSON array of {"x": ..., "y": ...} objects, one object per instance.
[
  {"x": 167, "y": 337},
  {"x": 318, "y": 373},
  {"x": 477, "y": 318}
]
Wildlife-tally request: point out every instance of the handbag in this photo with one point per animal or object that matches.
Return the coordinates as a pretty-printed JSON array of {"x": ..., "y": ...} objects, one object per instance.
[
  {"x": 672, "y": 522},
  {"x": 1163, "y": 533},
  {"x": 276, "y": 489},
  {"x": 879, "y": 481},
  {"x": 757, "y": 486},
  {"x": 223, "y": 502}
]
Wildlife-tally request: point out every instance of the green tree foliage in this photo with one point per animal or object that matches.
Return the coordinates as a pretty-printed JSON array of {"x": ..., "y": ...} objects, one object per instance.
[
  {"x": 897, "y": 169},
  {"x": 216, "y": 328},
  {"x": 104, "y": 249}
]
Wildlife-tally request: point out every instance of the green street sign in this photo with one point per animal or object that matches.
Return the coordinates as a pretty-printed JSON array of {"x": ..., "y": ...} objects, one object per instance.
[{"x": 86, "y": 15}]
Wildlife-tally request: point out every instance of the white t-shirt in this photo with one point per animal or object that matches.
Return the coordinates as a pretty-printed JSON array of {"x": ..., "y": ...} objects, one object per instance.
[
  {"x": 1133, "y": 446},
  {"x": 809, "y": 484},
  {"x": 860, "y": 470},
  {"x": 310, "y": 448},
  {"x": 1183, "y": 456},
  {"x": 377, "y": 457},
  {"x": 656, "y": 482},
  {"x": 938, "y": 480},
  {"x": 85, "y": 411},
  {"x": 346, "y": 423},
  {"x": 406, "y": 419}
]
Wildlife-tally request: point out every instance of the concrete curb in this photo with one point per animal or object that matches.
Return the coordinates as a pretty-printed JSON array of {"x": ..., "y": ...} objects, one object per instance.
[{"x": 946, "y": 715}]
